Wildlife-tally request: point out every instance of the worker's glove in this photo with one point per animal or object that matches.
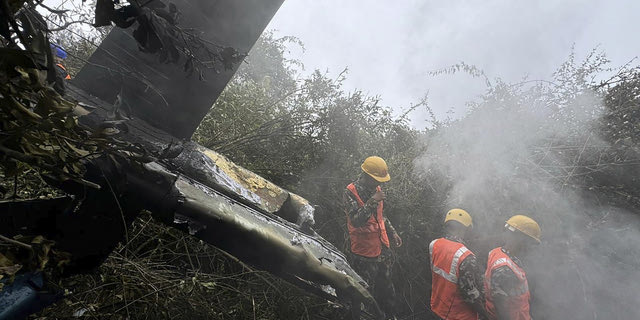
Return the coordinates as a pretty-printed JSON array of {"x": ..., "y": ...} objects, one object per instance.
[{"x": 378, "y": 196}]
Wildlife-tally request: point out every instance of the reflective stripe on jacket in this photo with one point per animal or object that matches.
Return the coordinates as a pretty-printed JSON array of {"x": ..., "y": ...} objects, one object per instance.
[
  {"x": 64, "y": 71},
  {"x": 517, "y": 306},
  {"x": 366, "y": 240},
  {"x": 445, "y": 257}
]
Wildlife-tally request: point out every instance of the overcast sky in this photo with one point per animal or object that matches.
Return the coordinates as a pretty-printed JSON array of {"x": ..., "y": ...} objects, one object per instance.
[{"x": 390, "y": 46}]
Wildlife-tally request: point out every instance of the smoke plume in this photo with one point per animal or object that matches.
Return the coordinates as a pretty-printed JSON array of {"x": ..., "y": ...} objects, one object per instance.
[{"x": 537, "y": 148}]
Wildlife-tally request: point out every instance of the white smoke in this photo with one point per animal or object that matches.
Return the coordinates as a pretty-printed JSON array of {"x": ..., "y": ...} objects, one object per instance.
[{"x": 531, "y": 149}]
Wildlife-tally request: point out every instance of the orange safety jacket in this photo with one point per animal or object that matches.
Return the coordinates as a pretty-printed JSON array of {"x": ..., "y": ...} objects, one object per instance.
[
  {"x": 367, "y": 240},
  {"x": 446, "y": 256},
  {"x": 517, "y": 306},
  {"x": 67, "y": 76}
]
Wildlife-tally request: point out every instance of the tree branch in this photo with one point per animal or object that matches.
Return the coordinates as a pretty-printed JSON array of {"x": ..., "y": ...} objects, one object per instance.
[
  {"x": 66, "y": 25},
  {"x": 54, "y": 11}
]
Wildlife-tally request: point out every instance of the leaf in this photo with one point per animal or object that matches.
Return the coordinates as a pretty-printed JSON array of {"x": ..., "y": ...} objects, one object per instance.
[
  {"x": 230, "y": 57},
  {"x": 22, "y": 73},
  {"x": 24, "y": 110},
  {"x": 50, "y": 102},
  {"x": 109, "y": 131},
  {"x": 80, "y": 152},
  {"x": 70, "y": 122},
  {"x": 4, "y": 261},
  {"x": 61, "y": 258},
  {"x": 8, "y": 266},
  {"x": 10, "y": 270},
  {"x": 126, "y": 16},
  {"x": 104, "y": 13},
  {"x": 41, "y": 247}
]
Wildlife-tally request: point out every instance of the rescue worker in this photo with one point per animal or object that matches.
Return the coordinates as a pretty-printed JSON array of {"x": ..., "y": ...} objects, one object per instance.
[
  {"x": 61, "y": 74},
  {"x": 59, "y": 54},
  {"x": 456, "y": 280},
  {"x": 505, "y": 283},
  {"x": 369, "y": 231}
]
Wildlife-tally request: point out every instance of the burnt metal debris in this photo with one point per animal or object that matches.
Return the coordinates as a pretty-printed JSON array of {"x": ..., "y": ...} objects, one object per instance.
[{"x": 230, "y": 207}]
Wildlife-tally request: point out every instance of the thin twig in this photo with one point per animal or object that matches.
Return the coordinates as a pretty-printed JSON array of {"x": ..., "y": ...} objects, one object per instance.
[
  {"x": 66, "y": 25},
  {"x": 15, "y": 242},
  {"x": 115, "y": 197}
]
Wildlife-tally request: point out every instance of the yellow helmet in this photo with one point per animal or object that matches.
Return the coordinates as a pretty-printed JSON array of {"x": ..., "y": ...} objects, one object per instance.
[
  {"x": 460, "y": 216},
  {"x": 525, "y": 225},
  {"x": 376, "y": 168}
]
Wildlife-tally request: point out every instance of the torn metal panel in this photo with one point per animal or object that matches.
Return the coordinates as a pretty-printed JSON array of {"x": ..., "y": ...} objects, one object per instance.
[
  {"x": 202, "y": 164},
  {"x": 261, "y": 239},
  {"x": 218, "y": 172},
  {"x": 162, "y": 93},
  {"x": 214, "y": 169}
]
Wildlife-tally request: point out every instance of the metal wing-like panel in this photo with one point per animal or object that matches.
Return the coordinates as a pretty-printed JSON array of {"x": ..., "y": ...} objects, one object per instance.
[{"x": 164, "y": 94}]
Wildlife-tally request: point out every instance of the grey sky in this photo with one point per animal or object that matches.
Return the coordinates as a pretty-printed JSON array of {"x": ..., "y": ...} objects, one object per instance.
[{"x": 390, "y": 46}]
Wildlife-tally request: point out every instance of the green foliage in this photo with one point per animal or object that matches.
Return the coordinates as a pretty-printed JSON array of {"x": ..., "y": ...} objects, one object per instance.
[
  {"x": 40, "y": 139},
  {"x": 39, "y": 128},
  {"x": 622, "y": 99}
]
